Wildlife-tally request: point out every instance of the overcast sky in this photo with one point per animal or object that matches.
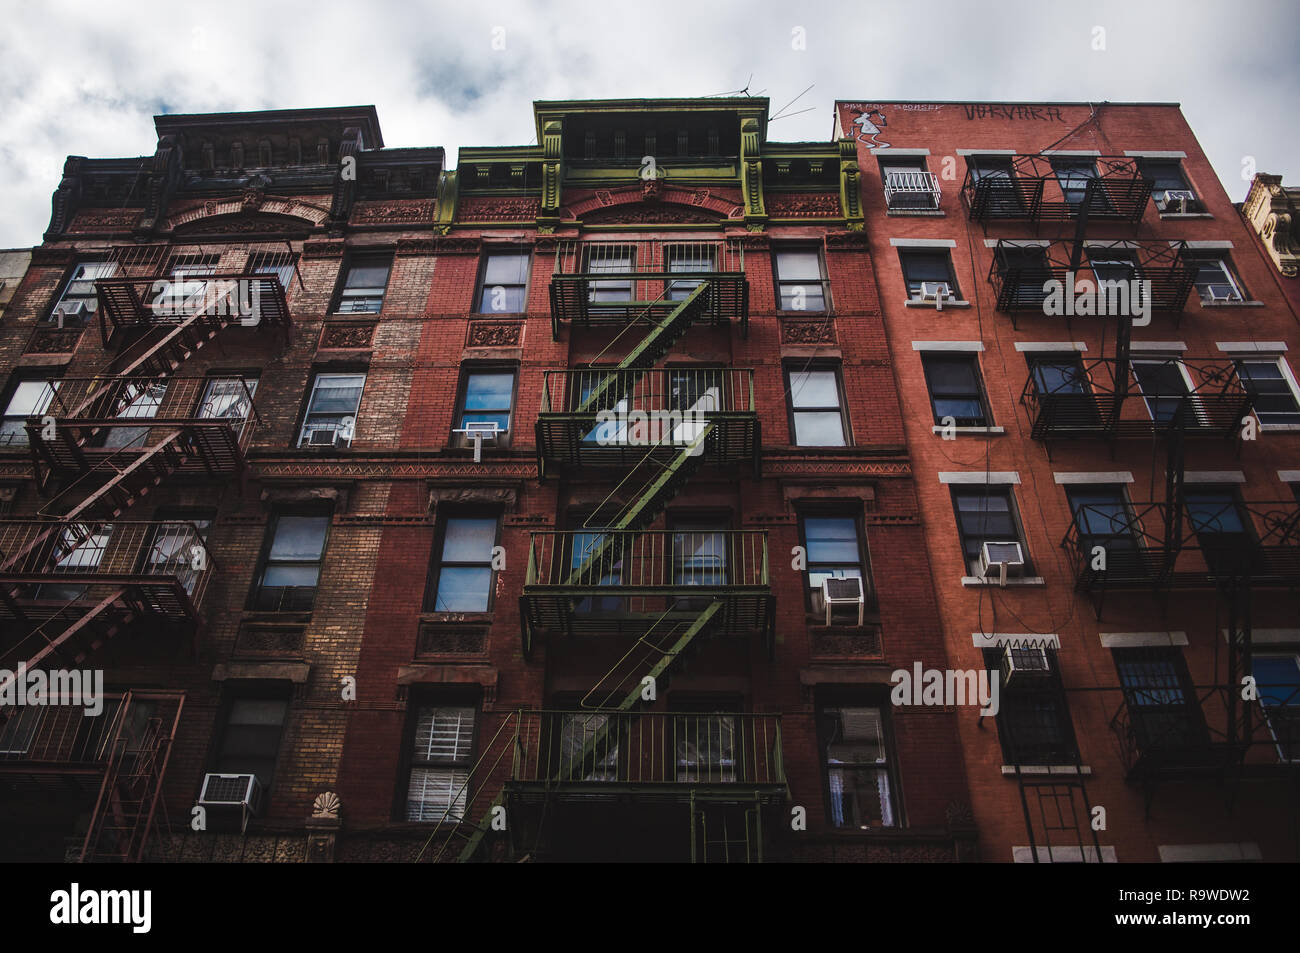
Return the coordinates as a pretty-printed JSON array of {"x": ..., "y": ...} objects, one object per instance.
[{"x": 87, "y": 78}]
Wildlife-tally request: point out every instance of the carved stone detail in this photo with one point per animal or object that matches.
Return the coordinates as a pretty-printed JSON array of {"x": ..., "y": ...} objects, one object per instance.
[
  {"x": 53, "y": 340},
  {"x": 401, "y": 212},
  {"x": 497, "y": 209},
  {"x": 808, "y": 332},
  {"x": 101, "y": 219},
  {"x": 486, "y": 334},
  {"x": 802, "y": 205},
  {"x": 339, "y": 334}
]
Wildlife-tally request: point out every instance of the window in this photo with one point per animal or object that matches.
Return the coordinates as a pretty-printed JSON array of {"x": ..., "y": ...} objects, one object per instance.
[
  {"x": 1025, "y": 270},
  {"x": 816, "y": 414},
  {"x": 503, "y": 289},
  {"x": 364, "y": 280},
  {"x": 996, "y": 190},
  {"x": 332, "y": 410},
  {"x": 1277, "y": 677},
  {"x": 857, "y": 765},
  {"x": 487, "y": 396},
  {"x": 929, "y": 268},
  {"x": 138, "y": 400},
  {"x": 986, "y": 514},
  {"x": 956, "y": 393},
  {"x": 1062, "y": 388},
  {"x": 1104, "y": 518},
  {"x": 699, "y": 557},
  {"x": 685, "y": 260},
  {"x": 79, "y": 298},
  {"x": 441, "y": 753},
  {"x": 171, "y": 549},
  {"x": 996, "y": 170},
  {"x": 291, "y": 565},
  {"x": 186, "y": 293},
  {"x": 907, "y": 184},
  {"x": 1215, "y": 279},
  {"x": 1166, "y": 175},
  {"x": 1073, "y": 175},
  {"x": 833, "y": 545},
  {"x": 1269, "y": 379},
  {"x": 278, "y": 265},
  {"x": 78, "y": 549},
  {"x": 586, "y": 747},
  {"x": 606, "y": 569},
  {"x": 1224, "y": 530},
  {"x": 1162, "y": 709},
  {"x": 463, "y": 575},
  {"x": 706, "y": 740},
  {"x": 1033, "y": 716},
  {"x": 1164, "y": 387},
  {"x": 608, "y": 260},
  {"x": 27, "y": 398},
  {"x": 229, "y": 399},
  {"x": 801, "y": 283},
  {"x": 250, "y": 741}
]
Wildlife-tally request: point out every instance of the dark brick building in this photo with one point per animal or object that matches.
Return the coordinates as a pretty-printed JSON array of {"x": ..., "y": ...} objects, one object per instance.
[{"x": 498, "y": 495}]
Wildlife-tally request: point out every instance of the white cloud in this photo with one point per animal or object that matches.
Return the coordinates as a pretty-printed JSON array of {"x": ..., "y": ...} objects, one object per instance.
[{"x": 86, "y": 79}]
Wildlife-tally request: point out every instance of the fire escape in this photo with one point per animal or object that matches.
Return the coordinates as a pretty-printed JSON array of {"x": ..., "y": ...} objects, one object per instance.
[
  {"x": 81, "y": 574},
  {"x": 661, "y": 592},
  {"x": 1194, "y": 539}
]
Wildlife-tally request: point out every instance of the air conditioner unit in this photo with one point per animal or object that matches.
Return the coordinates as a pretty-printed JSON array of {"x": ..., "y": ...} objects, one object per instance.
[
  {"x": 1179, "y": 200},
  {"x": 1024, "y": 662},
  {"x": 478, "y": 431},
  {"x": 1222, "y": 292},
  {"x": 71, "y": 309},
  {"x": 1002, "y": 557},
  {"x": 242, "y": 791},
  {"x": 936, "y": 291},
  {"x": 327, "y": 438},
  {"x": 841, "y": 591}
]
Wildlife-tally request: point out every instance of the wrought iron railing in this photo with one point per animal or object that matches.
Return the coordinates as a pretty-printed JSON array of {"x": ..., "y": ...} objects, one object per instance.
[
  {"x": 911, "y": 189},
  {"x": 626, "y": 562},
  {"x": 685, "y": 391},
  {"x": 84, "y": 732},
  {"x": 1031, "y": 188},
  {"x": 660, "y": 748},
  {"x": 1021, "y": 271},
  {"x": 1089, "y": 399},
  {"x": 62, "y": 561},
  {"x": 1201, "y": 545}
]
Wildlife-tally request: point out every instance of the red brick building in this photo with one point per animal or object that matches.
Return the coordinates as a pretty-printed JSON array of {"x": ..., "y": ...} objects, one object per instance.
[
  {"x": 1134, "y": 471},
  {"x": 473, "y": 514}
]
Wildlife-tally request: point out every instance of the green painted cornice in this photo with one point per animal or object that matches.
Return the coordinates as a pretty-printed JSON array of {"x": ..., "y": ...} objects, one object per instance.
[
  {"x": 851, "y": 186},
  {"x": 552, "y": 175},
  {"x": 751, "y": 175},
  {"x": 448, "y": 193}
]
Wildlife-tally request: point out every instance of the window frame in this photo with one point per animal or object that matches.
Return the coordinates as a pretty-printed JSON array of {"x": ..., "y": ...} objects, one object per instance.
[
  {"x": 988, "y": 490},
  {"x": 778, "y": 283},
  {"x": 356, "y": 259},
  {"x": 264, "y": 558},
  {"x": 926, "y": 201},
  {"x": 432, "y": 699},
  {"x": 1294, "y": 655},
  {"x": 437, "y": 563},
  {"x": 846, "y": 426},
  {"x": 92, "y": 299},
  {"x": 835, "y": 510},
  {"x": 1051, "y": 687},
  {"x": 468, "y": 370},
  {"x": 312, "y": 386},
  {"x": 981, "y": 394},
  {"x": 915, "y": 254},
  {"x": 1288, "y": 378},
  {"x": 11, "y": 392},
  {"x": 1158, "y": 195},
  {"x": 1199, "y": 258},
  {"x": 490, "y": 249},
  {"x": 250, "y": 691},
  {"x": 838, "y": 701}
]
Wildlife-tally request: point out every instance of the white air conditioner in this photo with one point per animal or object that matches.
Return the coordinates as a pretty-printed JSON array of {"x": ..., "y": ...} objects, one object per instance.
[
  {"x": 327, "y": 438},
  {"x": 1222, "y": 292},
  {"x": 840, "y": 592},
  {"x": 70, "y": 309},
  {"x": 1003, "y": 558},
  {"x": 1023, "y": 662},
  {"x": 936, "y": 291},
  {"x": 231, "y": 790},
  {"x": 477, "y": 431},
  {"x": 1179, "y": 200},
  {"x": 241, "y": 791}
]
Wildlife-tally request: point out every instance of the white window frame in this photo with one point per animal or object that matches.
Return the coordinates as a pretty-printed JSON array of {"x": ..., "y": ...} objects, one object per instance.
[
  {"x": 1288, "y": 375},
  {"x": 305, "y": 431},
  {"x": 1294, "y": 656}
]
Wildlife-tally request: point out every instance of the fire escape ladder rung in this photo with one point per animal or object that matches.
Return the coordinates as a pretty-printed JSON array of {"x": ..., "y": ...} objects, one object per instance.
[{"x": 656, "y": 344}]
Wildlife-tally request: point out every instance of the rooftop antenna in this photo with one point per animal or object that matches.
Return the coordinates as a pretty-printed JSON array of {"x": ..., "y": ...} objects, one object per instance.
[{"x": 781, "y": 113}]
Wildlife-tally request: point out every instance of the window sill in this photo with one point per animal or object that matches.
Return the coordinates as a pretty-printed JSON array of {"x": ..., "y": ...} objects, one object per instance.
[
  {"x": 952, "y": 303},
  {"x": 1279, "y": 428},
  {"x": 970, "y": 431},
  {"x": 976, "y": 581},
  {"x": 916, "y": 212},
  {"x": 1009, "y": 770},
  {"x": 1186, "y": 215},
  {"x": 1231, "y": 304}
]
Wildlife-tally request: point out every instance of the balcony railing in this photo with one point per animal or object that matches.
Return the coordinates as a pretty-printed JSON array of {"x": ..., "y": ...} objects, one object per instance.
[
  {"x": 597, "y": 750},
  {"x": 1020, "y": 273},
  {"x": 1154, "y": 546},
  {"x": 911, "y": 189},
  {"x": 619, "y": 417},
  {"x": 1029, "y": 188},
  {"x": 1163, "y": 733},
  {"x": 600, "y": 580},
  {"x": 1088, "y": 401},
  {"x": 621, "y": 281},
  {"x": 69, "y": 737},
  {"x": 164, "y": 566},
  {"x": 97, "y": 417}
]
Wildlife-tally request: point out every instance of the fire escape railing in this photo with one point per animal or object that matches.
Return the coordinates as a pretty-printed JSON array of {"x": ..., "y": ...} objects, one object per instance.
[{"x": 1034, "y": 188}]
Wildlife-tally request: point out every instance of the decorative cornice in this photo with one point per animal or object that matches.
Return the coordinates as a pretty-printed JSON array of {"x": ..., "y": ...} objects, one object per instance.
[
  {"x": 323, "y": 248},
  {"x": 393, "y": 212},
  {"x": 1272, "y": 211}
]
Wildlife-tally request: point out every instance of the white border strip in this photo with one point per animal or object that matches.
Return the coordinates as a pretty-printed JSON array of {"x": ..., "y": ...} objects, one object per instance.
[
  {"x": 1149, "y": 154},
  {"x": 947, "y": 345},
  {"x": 1289, "y": 476},
  {"x": 901, "y": 153},
  {"x": 982, "y": 477},
  {"x": 1063, "y": 855},
  {"x": 1270, "y": 636},
  {"x": 923, "y": 242},
  {"x": 1018, "y": 242},
  {"x": 1217, "y": 243},
  {"x": 1208, "y": 853},
  {"x": 1138, "y": 347},
  {"x": 1251, "y": 347},
  {"x": 1046, "y": 346},
  {"x": 1135, "y": 640},
  {"x": 1214, "y": 476},
  {"x": 986, "y": 152},
  {"x": 1098, "y": 476}
]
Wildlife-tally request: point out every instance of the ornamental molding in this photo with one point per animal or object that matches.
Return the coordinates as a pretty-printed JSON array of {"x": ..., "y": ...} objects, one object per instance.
[
  {"x": 251, "y": 202},
  {"x": 498, "y": 209},
  {"x": 493, "y": 334},
  {"x": 394, "y": 212},
  {"x": 803, "y": 205},
  {"x": 104, "y": 219},
  {"x": 1274, "y": 212},
  {"x": 808, "y": 332},
  {"x": 693, "y": 205}
]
